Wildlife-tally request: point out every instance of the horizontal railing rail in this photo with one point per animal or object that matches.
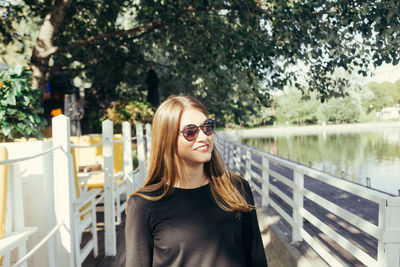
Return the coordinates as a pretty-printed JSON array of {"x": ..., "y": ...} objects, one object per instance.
[
  {"x": 44, "y": 152},
  {"x": 39, "y": 245},
  {"x": 87, "y": 146},
  {"x": 25, "y": 230},
  {"x": 100, "y": 143},
  {"x": 275, "y": 186},
  {"x": 69, "y": 209}
]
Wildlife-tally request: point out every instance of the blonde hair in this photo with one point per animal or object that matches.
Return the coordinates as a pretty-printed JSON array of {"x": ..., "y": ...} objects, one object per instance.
[{"x": 163, "y": 170}]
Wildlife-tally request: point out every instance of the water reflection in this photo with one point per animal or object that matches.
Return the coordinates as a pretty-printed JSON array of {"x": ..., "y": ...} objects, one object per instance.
[{"x": 355, "y": 156}]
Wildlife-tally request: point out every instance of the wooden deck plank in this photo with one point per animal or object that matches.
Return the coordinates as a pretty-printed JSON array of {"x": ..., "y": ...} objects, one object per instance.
[
  {"x": 361, "y": 207},
  {"x": 102, "y": 260}
]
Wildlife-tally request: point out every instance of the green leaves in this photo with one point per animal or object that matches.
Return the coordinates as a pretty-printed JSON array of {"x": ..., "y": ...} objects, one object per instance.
[
  {"x": 20, "y": 110},
  {"x": 6, "y": 128},
  {"x": 131, "y": 111},
  {"x": 259, "y": 40}
]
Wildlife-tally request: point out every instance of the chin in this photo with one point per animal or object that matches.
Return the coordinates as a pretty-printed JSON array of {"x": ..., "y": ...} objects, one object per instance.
[
  {"x": 207, "y": 159},
  {"x": 202, "y": 159}
]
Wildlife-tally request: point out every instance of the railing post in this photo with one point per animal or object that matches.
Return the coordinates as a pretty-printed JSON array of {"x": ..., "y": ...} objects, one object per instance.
[
  {"x": 228, "y": 149},
  {"x": 238, "y": 157},
  {"x": 389, "y": 244},
  {"x": 148, "y": 142},
  {"x": 248, "y": 166},
  {"x": 5, "y": 199},
  {"x": 141, "y": 155},
  {"x": 226, "y": 152},
  {"x": 265, "y": 179},
  {"x": 17, "y": 206},
  {"x": 298, "y": 179},
  {"x": 64, "y": 190},
  {"x": 128, "y": 165},
  {"x": 110, "y": 240},
  {"x": 221, "y": 147},
  {"x": 230, "y": 156}
]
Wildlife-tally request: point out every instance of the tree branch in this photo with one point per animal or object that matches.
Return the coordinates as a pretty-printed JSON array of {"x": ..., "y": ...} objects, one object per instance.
[{"x": 141, "y": 30}]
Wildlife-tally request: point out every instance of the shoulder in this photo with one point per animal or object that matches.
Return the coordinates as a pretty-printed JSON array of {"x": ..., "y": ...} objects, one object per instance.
[{"x": 138, "y": 202}]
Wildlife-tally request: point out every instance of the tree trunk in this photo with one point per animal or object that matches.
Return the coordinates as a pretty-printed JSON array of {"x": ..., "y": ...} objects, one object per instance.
[{"x": 44, "y": 45}]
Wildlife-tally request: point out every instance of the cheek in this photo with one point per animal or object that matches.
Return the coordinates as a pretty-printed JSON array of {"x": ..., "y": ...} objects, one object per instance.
[
  {"x": 183, "y": 147},
  {"x": 211, "y": 142}
]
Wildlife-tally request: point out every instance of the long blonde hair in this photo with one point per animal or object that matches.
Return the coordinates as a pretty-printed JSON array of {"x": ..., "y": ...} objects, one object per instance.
[{"x": 163, "y": 173}]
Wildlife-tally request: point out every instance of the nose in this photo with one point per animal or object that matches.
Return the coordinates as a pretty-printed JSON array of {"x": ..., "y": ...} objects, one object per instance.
[{"x": 202, "y": 136}]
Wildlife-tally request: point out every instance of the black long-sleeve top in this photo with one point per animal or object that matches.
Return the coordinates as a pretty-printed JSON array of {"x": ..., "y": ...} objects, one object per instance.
[{"x": 187, "y": 228}]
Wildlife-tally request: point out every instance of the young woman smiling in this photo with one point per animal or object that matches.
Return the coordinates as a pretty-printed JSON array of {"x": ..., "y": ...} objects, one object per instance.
[{"x": 191, "y": 211}]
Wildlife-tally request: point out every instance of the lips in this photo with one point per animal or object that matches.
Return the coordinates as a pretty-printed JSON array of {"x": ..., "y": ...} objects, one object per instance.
[{"x": 203, "y": 148}]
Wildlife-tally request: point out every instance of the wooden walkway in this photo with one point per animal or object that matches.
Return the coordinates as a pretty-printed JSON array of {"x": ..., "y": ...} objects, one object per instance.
[
  {"x": 101, "y": 260},
  {"x": 364, "y": 208},
  {"x": 361, "y": 207}
]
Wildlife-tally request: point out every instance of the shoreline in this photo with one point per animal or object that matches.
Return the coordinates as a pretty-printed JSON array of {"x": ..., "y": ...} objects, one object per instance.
[{"x": 309, "y": 129}]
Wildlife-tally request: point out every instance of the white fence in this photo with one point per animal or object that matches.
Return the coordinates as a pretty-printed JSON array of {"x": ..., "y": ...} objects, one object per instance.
[
  {"x": 257, "y": 164},
  {"x": 42, "y": 194}
]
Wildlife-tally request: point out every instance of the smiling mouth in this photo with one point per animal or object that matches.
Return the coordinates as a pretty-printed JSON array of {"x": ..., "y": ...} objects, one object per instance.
[{"x": 202, "y": 148}]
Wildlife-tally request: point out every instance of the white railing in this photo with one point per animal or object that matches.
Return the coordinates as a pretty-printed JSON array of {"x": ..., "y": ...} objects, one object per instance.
[
  {"x": 16, "y": 233},
  {"x": 63, "y": 192},
  {"x": 257, "y": 168}
]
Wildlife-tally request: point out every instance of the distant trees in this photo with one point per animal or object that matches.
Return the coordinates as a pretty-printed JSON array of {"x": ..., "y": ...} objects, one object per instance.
[
  {"x": 293, "y": 107},
  {"x": 386, "y": 94},
  {"x": 358, "y": 105},
  {"x": 339, "y": 110}
]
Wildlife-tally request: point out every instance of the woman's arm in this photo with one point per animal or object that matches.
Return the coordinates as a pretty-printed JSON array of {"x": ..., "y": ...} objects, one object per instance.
[
  {"x": 138, "y": 237},
  {"x": 255, "y": 253}
]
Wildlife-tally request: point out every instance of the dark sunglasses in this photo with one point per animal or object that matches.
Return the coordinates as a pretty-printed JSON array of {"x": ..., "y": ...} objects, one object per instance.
[{"x": 191, "y": 131}]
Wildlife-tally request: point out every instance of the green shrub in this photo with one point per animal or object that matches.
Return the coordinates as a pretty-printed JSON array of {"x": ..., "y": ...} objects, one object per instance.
[
  {"x": 131, "y": 111},
  {"x": 20, "y": 107}
]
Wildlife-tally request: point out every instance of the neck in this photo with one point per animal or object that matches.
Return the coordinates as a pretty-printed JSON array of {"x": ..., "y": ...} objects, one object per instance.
[{"x": 193, "y": 176}]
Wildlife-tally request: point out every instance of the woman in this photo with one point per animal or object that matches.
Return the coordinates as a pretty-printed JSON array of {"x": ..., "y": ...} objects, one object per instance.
[{"x": 190, "y": 211}]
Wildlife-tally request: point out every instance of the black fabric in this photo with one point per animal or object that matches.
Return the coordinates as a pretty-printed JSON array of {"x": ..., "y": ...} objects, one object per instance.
[{"x": 187, "y": 228}]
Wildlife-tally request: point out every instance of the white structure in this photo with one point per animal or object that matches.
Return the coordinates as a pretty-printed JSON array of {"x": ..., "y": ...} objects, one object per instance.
[
  {"x": 42, "y": 197},
  {"x": 390, "y": 113},
  {"x": 387, "y": 232}
]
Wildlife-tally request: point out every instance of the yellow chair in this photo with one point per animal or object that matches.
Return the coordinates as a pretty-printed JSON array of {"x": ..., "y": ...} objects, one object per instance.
[
  {"x": 95, "y": 179},
  {"x": 84, "y": 217}
]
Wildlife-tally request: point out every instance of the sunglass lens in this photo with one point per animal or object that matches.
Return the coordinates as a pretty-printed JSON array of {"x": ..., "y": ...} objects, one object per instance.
[
  {"x": 190, "y": 133},
  {"x": 209, "y": 126}
]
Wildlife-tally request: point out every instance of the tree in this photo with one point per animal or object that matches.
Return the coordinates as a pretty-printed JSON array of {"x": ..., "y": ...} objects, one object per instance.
[
  {"x": 383, "y": 95},
  {"x": 292, "y": 106},
  {"x": 342, "y": 109},
  {"x": 109, "y": 42}
]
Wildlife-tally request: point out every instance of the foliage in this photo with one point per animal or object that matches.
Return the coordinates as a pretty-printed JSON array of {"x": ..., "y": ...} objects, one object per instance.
[
  {"x": 17, "y": 35},
  {"x": 385, "y": 94},
  {"x": 343, "y": 109},
  {"x": 208, "y": 48},
  {"x": 293, "y": 107},
  {"x": 20, "y": 109},
  {"x": 131, "y": 111}
]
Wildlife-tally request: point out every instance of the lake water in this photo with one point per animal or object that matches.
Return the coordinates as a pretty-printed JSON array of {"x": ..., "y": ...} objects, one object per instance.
[{"x": 353, "y": 156}]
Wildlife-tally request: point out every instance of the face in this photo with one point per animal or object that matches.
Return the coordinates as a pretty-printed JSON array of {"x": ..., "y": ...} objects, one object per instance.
[{"x": 197, "y": 151}]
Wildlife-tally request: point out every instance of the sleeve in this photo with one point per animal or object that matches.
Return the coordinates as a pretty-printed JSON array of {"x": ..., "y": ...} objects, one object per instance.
[
  {"x": 254, "y": 248},
  {"x": 138, "y": 236}
]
